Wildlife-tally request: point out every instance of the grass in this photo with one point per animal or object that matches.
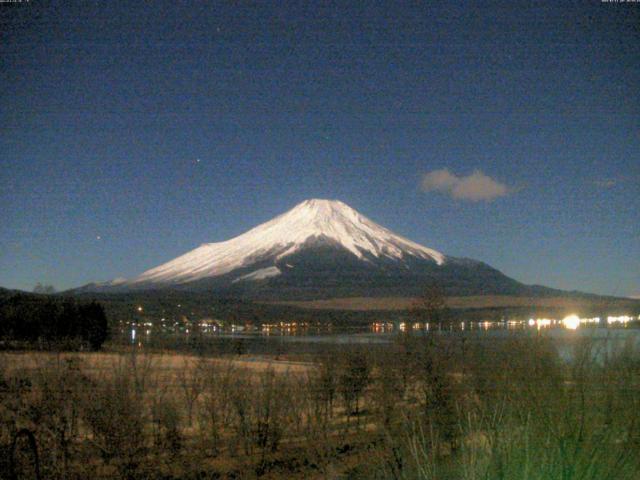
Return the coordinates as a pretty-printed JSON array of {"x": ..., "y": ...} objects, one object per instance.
[{"x": 424, "y": 407}]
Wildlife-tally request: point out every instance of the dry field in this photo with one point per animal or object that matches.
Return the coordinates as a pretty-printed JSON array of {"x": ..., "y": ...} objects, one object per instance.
[
  {"x": 94, "y": 363},
  {"x": 424, "y": 408},
  {"x": 160, "y": 415}
]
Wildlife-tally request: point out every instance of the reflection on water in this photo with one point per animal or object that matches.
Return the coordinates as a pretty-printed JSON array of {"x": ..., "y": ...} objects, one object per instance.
[{"x": 611, "y": 334}]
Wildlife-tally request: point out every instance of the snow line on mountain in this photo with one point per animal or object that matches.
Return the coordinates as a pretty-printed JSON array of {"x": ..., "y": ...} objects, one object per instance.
[{"x": 287, "y": 234}]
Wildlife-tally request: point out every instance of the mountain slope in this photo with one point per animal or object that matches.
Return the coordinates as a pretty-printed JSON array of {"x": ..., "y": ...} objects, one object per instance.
[
  {"x": 320, "y": 249},
  {"x": 311, "y": 221}
]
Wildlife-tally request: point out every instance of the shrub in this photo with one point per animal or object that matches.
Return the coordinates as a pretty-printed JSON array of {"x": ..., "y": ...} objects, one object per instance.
[
  {"x": 353, "y": 378},
  {"x": 113, "y": 409}
]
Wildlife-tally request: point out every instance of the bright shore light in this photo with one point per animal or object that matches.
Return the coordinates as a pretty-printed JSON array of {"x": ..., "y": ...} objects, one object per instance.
[
  {"x": 540, "y": 322},
  {"x": 621, "y": 319},
  {"x": 571, "y": 322}
]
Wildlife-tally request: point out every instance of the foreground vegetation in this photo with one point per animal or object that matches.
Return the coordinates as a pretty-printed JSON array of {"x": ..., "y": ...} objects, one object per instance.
[{"x": 425, "y": 407}]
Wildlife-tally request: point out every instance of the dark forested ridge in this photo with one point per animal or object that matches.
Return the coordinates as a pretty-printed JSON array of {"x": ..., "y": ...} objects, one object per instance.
[
  {"x": 185, "y": 306},
  {"x": 324, "y": 271},
  {"x": 48, "y": 320}
]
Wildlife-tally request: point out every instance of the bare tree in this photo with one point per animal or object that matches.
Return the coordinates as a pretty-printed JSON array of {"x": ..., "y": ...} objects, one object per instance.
[
  {"x": 431, "y": 306},
  {"x": 192, "y": 383},
  {"x": 354, "y": 377}
]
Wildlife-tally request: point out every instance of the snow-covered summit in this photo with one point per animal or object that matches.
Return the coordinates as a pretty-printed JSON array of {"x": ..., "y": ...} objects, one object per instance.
[{"x": 328, "y": 220}]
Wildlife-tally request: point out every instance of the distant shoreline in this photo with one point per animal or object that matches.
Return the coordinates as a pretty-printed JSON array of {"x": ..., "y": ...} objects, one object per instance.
[{"x": 477, "y": 301}]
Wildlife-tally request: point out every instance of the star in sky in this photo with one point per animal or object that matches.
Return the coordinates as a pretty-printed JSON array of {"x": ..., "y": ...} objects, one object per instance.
[{"x": 342, "y": 102}]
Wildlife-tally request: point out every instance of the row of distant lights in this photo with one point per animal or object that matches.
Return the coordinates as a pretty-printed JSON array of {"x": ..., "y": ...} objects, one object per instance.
[{"x": 572, "y": 322}]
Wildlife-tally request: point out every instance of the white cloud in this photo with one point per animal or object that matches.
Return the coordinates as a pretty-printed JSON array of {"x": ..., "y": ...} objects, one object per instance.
[
  {"x": 475, "y": 187},
  {"x": 439, "y": 180}
]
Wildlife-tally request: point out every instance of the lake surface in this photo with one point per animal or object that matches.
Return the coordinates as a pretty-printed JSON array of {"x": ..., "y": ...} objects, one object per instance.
[{"x": 607, "y": 338}]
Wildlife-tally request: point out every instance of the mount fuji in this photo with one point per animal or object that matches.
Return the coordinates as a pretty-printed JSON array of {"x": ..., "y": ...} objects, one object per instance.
[{"x": 320, "y": 249}]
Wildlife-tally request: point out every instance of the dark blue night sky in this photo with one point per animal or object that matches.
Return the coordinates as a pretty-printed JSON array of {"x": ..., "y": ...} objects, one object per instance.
[{"x": 134, "y": 131}]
